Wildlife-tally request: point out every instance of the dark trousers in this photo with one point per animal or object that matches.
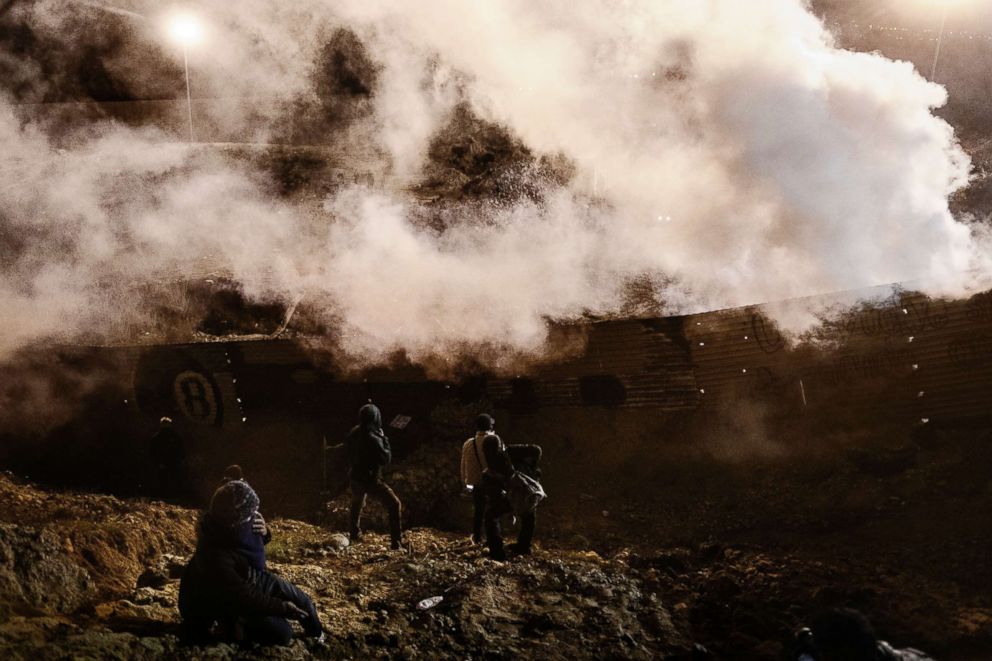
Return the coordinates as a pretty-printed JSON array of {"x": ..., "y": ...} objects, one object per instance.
[
  {"x": 497, "y": 504},
  {"x": 479, "y": 511},
  {"x": 171, "y": 482},
  {"x": 267, "y": 630},
  {"x": 380, "y": 491},
  {"x": 258, "y": 629}
]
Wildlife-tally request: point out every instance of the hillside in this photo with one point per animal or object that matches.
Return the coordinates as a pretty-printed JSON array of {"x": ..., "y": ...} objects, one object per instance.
[{"x": 88, "y": 576}]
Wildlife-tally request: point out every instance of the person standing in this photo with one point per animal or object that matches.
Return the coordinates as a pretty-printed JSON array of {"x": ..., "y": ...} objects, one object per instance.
[
  {"x": 471, "y": 470},
  {"x": 497, "y": 470},
  {"x": 368, "y": 451},
  {"x": 168, "y": 455}
]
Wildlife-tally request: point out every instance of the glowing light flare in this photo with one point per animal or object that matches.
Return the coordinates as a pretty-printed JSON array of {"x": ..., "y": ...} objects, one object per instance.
[{"x": 185, "y": 29}]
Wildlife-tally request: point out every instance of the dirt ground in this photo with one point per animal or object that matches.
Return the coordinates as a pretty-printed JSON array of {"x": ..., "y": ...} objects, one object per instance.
[{"x": 689, "y": 559}]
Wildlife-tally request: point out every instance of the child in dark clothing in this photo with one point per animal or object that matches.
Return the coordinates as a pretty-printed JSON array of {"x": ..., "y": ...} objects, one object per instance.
[{"x": 252, "y": 534}]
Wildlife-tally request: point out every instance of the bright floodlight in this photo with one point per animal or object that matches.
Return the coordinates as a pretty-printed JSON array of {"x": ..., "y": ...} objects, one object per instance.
[{"x": 185, "y": 29}]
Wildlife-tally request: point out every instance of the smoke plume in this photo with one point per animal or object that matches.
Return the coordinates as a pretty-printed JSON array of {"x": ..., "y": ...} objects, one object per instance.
[{"x": 725, "y": 153}]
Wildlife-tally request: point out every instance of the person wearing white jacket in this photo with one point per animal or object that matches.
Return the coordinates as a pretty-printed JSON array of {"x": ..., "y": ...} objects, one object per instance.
[{"x": 473, "y": 466}]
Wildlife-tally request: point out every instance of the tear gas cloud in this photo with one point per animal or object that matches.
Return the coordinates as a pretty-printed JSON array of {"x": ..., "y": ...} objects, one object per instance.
[{"x": 725, "y": 152}]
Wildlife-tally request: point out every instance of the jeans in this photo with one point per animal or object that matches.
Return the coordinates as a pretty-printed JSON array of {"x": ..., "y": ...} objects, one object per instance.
[
  {"x": 272, "y": 628},
  {"x": 267, "y": 630},
  {"x": 258, "y": 629},
  {"x": 381, "y": 492}
]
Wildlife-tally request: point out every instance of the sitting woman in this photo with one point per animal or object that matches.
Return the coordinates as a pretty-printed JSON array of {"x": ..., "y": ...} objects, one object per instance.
[{"x": 220, "y": 586}]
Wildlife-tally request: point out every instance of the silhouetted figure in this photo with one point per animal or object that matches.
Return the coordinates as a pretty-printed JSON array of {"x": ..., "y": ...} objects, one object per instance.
[
  {"x": 497, "y": 470},
  {"x": 846, "y": 635},
  {"x": 232, "y": 472},
  {"x": 368, "y": 451},
  {"x": 526, "y": 459},
  {"x": 222, "y": 593},
  {"x": 168, "y": 454},
  {"x": 471, "y": 470}
]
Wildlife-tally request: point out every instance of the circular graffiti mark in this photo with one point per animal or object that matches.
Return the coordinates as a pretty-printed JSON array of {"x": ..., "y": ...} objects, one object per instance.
[
  {"x": 764, "y": 331},
  {"x": 159, "y": 387},
  {"x": 196, "y": 397}
]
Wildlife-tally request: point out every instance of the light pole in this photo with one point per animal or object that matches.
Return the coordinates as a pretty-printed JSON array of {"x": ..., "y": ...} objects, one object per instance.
[
  {"x": 189, "y": 98},
  {"x": 940, "y": 36},
  {"x": 185, "y": 30}
]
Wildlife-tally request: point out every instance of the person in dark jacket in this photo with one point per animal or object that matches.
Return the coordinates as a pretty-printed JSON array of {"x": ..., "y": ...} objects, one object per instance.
[
  {"x": 253, "y": 535},
  {"x": 496, "y": 472},
  {"x": 167, "y": 450},
  {"x": 844, "y": 634},
  {"x": 368, "y": 451},
  {"x": 221, "y": 587}
]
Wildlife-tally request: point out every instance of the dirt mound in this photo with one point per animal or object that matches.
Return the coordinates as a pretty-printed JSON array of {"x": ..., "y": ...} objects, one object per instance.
[
  {"x": 76, "y": 548},
  {"x": 38, "y": 572},
  {"x": 100, "y": 580}
]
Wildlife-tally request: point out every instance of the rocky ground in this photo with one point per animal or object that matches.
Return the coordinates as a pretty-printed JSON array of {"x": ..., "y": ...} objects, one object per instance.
[{"x": 90, "y": 576}]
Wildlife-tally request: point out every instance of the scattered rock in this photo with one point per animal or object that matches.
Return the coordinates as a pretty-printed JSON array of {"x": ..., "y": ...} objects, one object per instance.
[
  {"x": 639, "y": 604},
  {"x": 338, "y": 542}
]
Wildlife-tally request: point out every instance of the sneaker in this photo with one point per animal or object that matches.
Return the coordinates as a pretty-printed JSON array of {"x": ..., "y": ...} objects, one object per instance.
[
  {"x": 319, "y": 644},
  {"x": 518, "y": 549},
  {"x": 498, "y": 555}
]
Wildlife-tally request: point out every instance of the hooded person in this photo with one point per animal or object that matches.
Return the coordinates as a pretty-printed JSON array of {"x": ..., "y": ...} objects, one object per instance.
[
  {"x": 253, "y": 534},
  {"x": 368, "y": 451},
  {"x": 221, "y": 587},
  {"x": 167, "y": 450}
]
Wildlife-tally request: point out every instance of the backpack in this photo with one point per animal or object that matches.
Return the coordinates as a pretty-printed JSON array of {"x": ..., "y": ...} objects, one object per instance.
[{"x": 525, "y": 493}]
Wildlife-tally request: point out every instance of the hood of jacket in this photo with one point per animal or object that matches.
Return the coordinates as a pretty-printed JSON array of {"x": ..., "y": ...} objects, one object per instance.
[
  {"x": 370, "y": 417},
  {"x": 233, "y": 503}
]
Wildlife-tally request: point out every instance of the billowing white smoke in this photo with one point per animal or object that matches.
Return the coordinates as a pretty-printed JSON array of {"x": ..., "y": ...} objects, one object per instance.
[
  {"x": 84, "y": 229},
  {"x": 737, "y": 157}
]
